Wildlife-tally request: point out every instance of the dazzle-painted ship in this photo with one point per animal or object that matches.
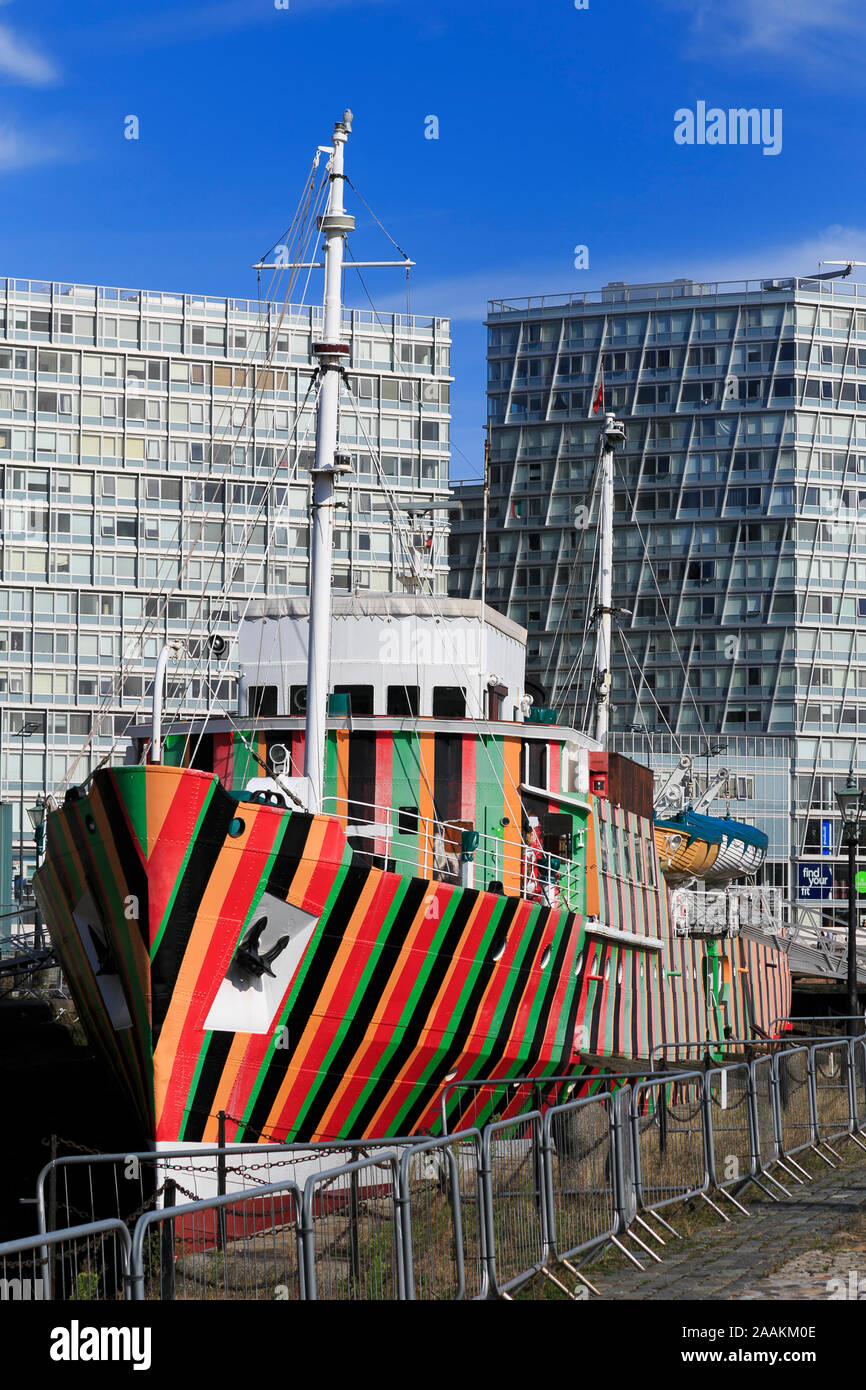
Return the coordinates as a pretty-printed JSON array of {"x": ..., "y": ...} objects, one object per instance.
[{"x": 315, "y": 920}]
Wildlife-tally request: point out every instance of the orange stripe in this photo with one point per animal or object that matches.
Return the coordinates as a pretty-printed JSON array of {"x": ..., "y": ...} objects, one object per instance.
[
  {"x": 342, "y": 737},
  {"x": 512, "y": 832},
  {"x": 427, "y": 762}
]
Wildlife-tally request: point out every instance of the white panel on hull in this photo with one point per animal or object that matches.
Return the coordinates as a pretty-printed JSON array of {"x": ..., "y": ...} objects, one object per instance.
[
  {"x": 94, "y": 939},
  {"x": 249, "y": 1003}
]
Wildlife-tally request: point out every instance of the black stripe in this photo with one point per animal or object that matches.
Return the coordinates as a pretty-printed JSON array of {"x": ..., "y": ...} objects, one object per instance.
[
  {"x": 289, "y": 855},
  {"x": 219, "y": 1045},
  {"x": 206, "y": 850},
  {"x": 127, "y": 852}
]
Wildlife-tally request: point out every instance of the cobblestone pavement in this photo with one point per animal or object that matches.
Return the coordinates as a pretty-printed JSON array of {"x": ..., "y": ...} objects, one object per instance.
[{"x": 791, "y": 1249}]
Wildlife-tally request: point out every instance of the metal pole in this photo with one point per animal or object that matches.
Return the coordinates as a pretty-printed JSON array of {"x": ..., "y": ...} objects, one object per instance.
[
  {"x": 167, "y": 1273},
  {"x": 21, "y": 825},
  {"x": 332, "y": 353},
  {"x": 611, "y": 432},
  {"x": 853, "y": 997},
  {"x": 483, "y": 642},
  {"x": 221, "y": 1178}
]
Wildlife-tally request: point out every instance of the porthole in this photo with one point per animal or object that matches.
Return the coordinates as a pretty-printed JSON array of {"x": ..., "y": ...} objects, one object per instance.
[
  {"x": 545, "y": 958},
  {"x": 451, "y": 1075},
  {"x": 619, "y": 973},
  {"x": 237, "y": 827},
  {"x": 91, "y": 824},
  {"x": 498, "y": 945},
  {"x": 607, "y": 971},
  {"x": 578, "y": 964}
]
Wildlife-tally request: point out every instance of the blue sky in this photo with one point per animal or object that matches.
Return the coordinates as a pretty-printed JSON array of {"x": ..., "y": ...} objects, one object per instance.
[{"x": 555, "y": 130}]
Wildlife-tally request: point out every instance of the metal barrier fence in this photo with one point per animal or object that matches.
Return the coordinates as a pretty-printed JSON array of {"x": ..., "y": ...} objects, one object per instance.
[
  {"x": 858, "y": 1070},
  {"x": 351, "y": 1232},
  {"x": 441, "y": 1219},
  {"x": 238, "y": 1246},
  {"x": 467, "y": 1216},
  {"x": 833, "y": 1090},
  {"x": 794, "y": 1101},
  {"x": 763, "y": 1071},
  {"x": 669, "y": 1140},
  {"x": 513, "y": 1185},
  {"x": 731, "y": 1149},
  {"x": 86, "y": 1187},
  {"x": 86, "y": 1263},
  {"x": 580, "y": 1171}
]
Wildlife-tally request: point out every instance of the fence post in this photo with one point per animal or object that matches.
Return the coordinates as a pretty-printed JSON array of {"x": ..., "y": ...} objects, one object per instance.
[
  {"x": 221, "y": 1179},
  {"x": 52, "y": 1216},
  {"x": 166, "y": 1246},
  {"x": 354, "y": 1218}
]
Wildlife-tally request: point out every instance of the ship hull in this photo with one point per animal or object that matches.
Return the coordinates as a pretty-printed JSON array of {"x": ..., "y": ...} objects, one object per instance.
[{"x": 389, "y": 988}]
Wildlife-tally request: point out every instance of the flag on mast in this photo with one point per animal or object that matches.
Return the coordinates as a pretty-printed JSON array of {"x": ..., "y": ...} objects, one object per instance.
[{"x": 598, "y": 403}]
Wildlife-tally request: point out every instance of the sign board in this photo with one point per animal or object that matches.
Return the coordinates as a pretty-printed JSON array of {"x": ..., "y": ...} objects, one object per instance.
[
  {"x": 814, "y": 882},
  {"x": 826, "y": 837}
]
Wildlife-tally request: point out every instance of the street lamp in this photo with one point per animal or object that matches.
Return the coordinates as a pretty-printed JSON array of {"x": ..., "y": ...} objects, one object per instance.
[
  {"x": 28, "y": 728},
  {"x": 37, "y": 820},
  {"x": 852, "y": 804}
]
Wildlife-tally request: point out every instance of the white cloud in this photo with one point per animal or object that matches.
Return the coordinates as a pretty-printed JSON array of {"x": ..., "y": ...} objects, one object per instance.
[
  {"x": 21, "y": 62},
  {"x": 463, "y": 298},
  {"x": 809, "y": 33},
  {"x": 22, "y": 151}
]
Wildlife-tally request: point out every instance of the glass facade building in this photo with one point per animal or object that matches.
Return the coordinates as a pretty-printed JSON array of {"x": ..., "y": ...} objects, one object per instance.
[
  {"x": 153, "y": 479},
  {"x": 740, "y": 543}
]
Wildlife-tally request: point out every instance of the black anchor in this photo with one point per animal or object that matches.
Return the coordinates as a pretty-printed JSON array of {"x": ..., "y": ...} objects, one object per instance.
[{"x": 248, "y": 955}]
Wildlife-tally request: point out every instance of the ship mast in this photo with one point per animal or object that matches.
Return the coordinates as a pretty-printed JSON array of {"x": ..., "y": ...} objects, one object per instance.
[
  {"x": 332, "y": 353},
  {"x": 612, "y": 431}
]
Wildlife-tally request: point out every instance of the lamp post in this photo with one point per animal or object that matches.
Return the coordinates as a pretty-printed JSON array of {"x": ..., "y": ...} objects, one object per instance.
[
  {"x": 27, "y": 728},
  {"x": 852, "y": 803},
  {"x": 37, "y": 820}
]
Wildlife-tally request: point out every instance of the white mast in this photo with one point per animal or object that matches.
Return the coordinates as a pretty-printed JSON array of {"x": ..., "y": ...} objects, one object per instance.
[
  {"x": 333, "y": 353},
  {"x": 612, "y": 430}
]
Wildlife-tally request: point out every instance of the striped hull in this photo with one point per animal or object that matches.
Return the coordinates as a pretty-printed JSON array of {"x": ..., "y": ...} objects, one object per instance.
[{"x": 391, "y": 987}]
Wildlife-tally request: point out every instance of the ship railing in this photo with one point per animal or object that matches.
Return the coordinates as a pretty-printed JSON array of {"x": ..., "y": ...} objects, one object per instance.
[
  {"x": 400, "y": 838},
  {"x": 88, "y": 1262}
]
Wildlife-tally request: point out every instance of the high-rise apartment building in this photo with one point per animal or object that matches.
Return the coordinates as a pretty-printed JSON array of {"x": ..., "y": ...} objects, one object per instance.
[
  {"x": 740, "y": 543},
  {"x": 154, "y": 463}
]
